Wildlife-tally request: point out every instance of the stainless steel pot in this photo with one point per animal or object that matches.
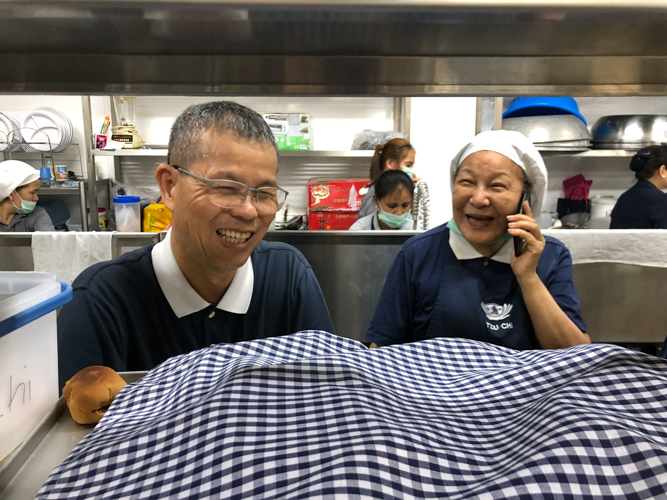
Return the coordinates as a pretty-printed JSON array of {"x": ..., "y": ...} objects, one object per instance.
[
  {"x": 552, "y": 132},
  {"x": 629, "y": 131}
]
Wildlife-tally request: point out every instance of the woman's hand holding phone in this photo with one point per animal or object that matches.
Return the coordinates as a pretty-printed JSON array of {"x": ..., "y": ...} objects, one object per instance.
[{"x": 523, "y": 227}]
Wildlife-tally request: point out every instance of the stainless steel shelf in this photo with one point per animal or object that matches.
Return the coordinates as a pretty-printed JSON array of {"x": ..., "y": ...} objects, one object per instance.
[
  {"x": 45, "y": 191},
  {"x": 608, "y": 153},
  {"x": 328, "y": 154},
  {"x": 131, "y": 152},
  {"x": 593, "y": 153},
  {"x": 58, "y": 190},
  {"x": 301, "y": 154}
]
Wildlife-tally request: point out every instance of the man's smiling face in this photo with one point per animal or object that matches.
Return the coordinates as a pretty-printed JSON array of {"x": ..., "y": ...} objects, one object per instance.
[{"x": 219, "y": 239}]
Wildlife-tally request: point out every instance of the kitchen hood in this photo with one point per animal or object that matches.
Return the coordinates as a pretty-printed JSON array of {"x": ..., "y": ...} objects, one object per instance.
[{"x": 392, "y": 48}]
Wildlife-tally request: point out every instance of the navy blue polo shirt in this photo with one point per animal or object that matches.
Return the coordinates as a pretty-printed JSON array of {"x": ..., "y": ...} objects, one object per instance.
[
  {"x": 430, "y": 293},
  {"x": 119, "y": 316},
  {"x": 643, "y": 206}
]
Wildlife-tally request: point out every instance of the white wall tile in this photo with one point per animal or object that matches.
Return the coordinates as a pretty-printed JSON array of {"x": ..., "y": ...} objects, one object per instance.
[
  {"x": 439, "y": 127},
  {"x": 334, "y": 120},
  {"x": 594, "y": 107},
  {"x": 68, "y": 105},
  {"x": 610, "y": 176}
]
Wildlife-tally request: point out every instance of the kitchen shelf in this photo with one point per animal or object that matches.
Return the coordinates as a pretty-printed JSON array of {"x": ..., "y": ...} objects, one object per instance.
[
  {"x": 162, "y": 152},
  {"x": 593, "y": 153},
  {"x": 56, "y": 190},
  {"x": 131, "y": 152},
  {"x": 45, "y": 191},
  {"x": 320, "y": 154}
]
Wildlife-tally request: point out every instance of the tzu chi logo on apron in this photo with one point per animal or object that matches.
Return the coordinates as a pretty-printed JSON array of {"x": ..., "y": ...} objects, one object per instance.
[{"x": 496, "y": 312}]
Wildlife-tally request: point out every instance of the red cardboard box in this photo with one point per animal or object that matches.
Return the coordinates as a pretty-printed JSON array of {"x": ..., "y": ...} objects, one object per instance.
[
  {"x": 331, "y": 220},
  {"x": 335, "y": 194}
]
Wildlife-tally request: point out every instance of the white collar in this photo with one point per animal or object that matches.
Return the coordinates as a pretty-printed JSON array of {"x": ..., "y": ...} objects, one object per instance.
[
  {"x": 183, "y": 299},
  {"x": 463, "y": 250}
]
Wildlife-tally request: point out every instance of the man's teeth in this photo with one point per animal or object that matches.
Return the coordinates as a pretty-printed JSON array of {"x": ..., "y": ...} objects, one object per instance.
[{"x": 233, "y": 236}]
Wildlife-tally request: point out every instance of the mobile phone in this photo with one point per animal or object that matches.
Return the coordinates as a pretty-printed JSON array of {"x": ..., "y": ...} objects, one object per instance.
[{"x": 518, "y": 242}]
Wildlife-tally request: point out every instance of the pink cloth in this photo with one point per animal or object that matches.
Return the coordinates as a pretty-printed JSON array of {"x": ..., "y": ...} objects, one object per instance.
[{"x": 577, "y": 187}]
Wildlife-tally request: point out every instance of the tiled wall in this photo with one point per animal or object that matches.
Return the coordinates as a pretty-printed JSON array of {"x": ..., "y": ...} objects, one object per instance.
[
  {"x": 70, "y": 106},
  {"x": 609, "y": 175},
  {"x": 334, "y": 122},
  {"x": 439, "y": 127},
  {"x": 74, "y": 156}
]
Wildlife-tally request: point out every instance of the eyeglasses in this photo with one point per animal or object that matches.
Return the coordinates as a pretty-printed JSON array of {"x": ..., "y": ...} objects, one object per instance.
[{"x": 230, "y": 194}]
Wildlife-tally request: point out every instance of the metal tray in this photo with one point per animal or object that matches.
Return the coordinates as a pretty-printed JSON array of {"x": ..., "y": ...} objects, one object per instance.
[{"x": 24, "y": 472}]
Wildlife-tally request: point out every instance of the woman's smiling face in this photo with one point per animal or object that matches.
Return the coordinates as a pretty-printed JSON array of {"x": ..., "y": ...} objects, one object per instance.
[{"x": 487, "y": 189}]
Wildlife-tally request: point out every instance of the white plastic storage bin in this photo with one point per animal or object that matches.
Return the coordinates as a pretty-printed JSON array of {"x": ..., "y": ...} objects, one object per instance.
[{"x": 28, "y": 352}]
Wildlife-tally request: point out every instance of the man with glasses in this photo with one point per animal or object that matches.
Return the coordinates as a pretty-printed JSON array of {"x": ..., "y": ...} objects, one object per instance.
[{"x": 212, "y": 280}]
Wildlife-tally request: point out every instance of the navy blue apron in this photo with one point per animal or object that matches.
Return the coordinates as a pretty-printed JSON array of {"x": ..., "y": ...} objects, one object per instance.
[{"x": 458, "y": 310}]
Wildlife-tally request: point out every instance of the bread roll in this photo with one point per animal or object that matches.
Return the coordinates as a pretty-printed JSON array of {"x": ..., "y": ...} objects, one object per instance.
[{"x": 90, "y": 392}]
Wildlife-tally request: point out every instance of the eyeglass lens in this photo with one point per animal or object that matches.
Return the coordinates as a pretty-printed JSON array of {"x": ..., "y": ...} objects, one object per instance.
[{"x": 226, "y": 194}]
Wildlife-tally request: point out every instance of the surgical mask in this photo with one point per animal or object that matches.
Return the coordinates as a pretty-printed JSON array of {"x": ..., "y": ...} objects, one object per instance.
[
  {"x": 394, "y": 221},
  {"x": 26, "y": 206},
  {"x": 451, "y": 225},
  {"x": 408, "y": 171}
]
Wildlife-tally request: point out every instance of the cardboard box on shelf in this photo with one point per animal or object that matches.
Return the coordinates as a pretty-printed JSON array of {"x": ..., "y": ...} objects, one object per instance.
[
  {"x": 335, "y": 194},
  {"x": 291, "y": 130},
  {"x": 331, "y": 220}
]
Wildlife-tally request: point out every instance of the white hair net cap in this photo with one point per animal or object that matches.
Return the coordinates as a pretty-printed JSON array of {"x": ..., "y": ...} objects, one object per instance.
[
  {"x": 14, "y": 174},
  {"x": 518, "y": 148}
]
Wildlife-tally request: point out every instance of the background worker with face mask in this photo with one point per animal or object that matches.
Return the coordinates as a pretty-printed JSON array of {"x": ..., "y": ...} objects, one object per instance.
[
  {"x": 392, "y": 201},
  {"x": 19, "y": 183},
  {"x": 397, "y": 154}
]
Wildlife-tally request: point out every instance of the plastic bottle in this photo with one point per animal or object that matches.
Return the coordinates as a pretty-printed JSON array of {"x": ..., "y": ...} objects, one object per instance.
[
  {"x": 103, "y": 218},
  {"x": 128, "y": 215}
]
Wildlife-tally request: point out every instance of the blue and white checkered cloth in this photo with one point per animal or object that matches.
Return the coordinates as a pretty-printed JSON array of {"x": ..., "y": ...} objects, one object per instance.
[{"x": 312, "y": 415}]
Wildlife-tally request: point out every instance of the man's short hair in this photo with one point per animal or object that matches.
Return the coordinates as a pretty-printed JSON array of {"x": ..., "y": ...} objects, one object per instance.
[{"x": 217, "y": 117}]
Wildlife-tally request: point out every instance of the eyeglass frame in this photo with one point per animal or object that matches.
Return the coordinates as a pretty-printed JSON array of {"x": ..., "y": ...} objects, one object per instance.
[{"x": 210, "y": 182}]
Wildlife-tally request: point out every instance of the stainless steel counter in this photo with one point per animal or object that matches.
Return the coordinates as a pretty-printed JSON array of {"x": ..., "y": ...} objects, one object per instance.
[
  {"x": 351, "y": 268},
  {"x": 16, "y": 251},
  {"x": 24, "y": 471},
  {"x": 619, "y": 302}
]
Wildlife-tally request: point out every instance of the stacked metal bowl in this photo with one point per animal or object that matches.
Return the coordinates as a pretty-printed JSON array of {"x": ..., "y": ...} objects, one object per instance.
[
  {"x": 566, "y": 133},
  {"x": 552, "y": 123},
  {"x": 629, "y": 131}
]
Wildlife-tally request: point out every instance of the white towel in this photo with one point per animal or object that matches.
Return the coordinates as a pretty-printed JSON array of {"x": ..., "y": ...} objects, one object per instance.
[
  {"x": 67, "y": 254},
  {"x": 639, "y": 247}
]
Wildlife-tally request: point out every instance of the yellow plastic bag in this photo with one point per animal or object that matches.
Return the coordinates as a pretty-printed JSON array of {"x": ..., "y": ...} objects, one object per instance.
[{"x": 156, "y": 218}]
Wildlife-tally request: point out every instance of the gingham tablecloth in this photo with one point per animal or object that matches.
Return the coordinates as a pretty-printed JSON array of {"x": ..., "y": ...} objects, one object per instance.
[{"x": 312, "y": 415}]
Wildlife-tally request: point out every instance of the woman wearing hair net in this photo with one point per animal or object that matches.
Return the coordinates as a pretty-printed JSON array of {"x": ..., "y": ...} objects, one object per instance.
[
  {"x": 19, "y": 183},
  {"x": 463, "y": 279}
]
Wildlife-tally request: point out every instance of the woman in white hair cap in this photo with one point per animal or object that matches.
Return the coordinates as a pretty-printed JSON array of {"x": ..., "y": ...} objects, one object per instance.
[
  {"x": 463, "y": 279},
  {"x": 19, "y": 183}
]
